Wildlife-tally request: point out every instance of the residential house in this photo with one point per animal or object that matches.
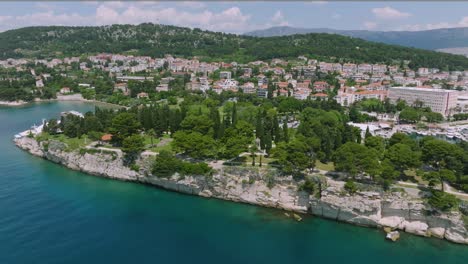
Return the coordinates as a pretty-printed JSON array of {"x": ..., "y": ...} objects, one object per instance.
[
  {"x": 123, "y": 87},
  {"x": 321, "y": 86},
  {"x": 65, "y": 90},
  {"x": 142, "y": 95}
]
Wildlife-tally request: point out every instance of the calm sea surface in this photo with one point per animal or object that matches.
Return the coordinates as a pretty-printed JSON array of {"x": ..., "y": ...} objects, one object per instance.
[{"x": 49, "y": 214}]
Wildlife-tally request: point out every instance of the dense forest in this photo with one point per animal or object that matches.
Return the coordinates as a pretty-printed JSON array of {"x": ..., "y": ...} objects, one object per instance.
[{"x": 158, "y": 40}]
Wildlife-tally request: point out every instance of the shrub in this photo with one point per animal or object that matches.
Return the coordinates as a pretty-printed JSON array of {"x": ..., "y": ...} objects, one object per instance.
[
  {"x": 135, "y": 167},
  {"x": 351, "y": 187},
  {"x": 45, "y": 146},
  {"x": 194, "y": 168},
  {"x": 167, "y": 164},
  {"x": 308, "y": 186},
  {"x": 442, "y": 200}
]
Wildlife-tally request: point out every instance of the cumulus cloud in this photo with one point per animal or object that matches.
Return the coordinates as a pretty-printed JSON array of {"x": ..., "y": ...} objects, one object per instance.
[
  {"x": 389, "y": 13},
  {"x": 231, "y": 19},
  {"x": 278, "y": 19}
]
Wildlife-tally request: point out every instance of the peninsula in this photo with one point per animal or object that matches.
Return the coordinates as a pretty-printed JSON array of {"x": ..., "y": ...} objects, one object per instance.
[
  {"x": 287, "y": 186},
  {"x": 335, "y": 126}
]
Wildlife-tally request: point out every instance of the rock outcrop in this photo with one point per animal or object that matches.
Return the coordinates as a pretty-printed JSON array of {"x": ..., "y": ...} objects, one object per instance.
[{"x": 374, "y": 209}]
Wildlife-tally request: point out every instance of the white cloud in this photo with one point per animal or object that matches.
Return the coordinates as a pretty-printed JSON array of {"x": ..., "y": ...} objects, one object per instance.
[
  {"x": 192, "y": 4},
  {"x": 114, "y": 4},
  {"x": 389, "y": 13},
  {"x": 278, "y": 19},
  {"x": 106, "y": 15},
  {"x": 370, "y": 25},
  {"x": 231, "y": 19}
]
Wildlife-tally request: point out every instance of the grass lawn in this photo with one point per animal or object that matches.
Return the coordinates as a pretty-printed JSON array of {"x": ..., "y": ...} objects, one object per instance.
[
  {"x": 72, "y": 143},
  {"x": 411, "y": 174},
  {"x": 147, "y": 140},
  {"x": 329, "y": 166},
  {"x": 158, "y": 145},
  {"x": 167, "y": 147}
]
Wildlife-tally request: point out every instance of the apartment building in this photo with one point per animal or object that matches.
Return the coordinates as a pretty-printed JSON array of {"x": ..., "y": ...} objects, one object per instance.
[{"x": 439, "y": 100}]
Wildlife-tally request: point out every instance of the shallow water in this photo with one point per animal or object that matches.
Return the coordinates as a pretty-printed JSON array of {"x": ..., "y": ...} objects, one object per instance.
[{"x": 49, "y": 214}]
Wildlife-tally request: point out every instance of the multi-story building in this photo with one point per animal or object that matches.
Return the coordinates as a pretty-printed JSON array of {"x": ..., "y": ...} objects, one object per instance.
[
  {"x": 248, "y": 88},
  {"x": 349, "y": 68},
  {"x": 364, "y": 68},
  {"x": 379, "y": 69},
  {"x": 349, "y": 95},
  {"x": 439, "y": 100},
  {"x": 225, "y": 75}
]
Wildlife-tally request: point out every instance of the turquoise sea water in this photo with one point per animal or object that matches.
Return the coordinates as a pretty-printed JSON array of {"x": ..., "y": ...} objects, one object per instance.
[{"x": 49, "y": 214}]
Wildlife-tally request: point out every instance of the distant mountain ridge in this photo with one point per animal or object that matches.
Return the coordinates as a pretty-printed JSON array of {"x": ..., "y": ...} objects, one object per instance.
[{"x": 428, "y": 39}]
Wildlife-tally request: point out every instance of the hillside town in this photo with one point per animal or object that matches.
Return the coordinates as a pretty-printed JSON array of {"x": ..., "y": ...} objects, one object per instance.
[{"x": 302, "y": 78}]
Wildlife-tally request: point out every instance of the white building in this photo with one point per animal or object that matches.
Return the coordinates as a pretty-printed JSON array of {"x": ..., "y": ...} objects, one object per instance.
[
  {"x": 225, "y": 75},
  {"x": 440, "y": 101}
]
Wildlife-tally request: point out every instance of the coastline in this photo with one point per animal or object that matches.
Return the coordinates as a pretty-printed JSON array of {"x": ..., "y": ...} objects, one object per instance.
[
  {"x": 396, "y": 211},
  {"x": 60, "y": 98},
  {"x": 13, "y": 103}
]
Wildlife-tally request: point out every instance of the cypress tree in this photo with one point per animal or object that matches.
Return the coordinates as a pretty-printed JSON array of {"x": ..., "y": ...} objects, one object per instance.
[
  {"x": 221, "y": 130},
  {"x": 259, "y": 127},
  {"x": 270, "y": 91},
  {"x": 268, "y": 144},
  {"x": 368, "y": 133},
  {"x": 285, "y": 131},
  {"x": 234, "y": 114},
  {"x": 214, "y": 115},
  {"x": 276, "y": 130}
]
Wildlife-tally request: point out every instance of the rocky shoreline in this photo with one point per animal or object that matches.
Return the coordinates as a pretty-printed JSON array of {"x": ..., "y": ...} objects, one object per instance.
[
  {"x": 13, "y": 103},
  {"x": 60, "y": 98},
  {"x": 395, "y": 210}
]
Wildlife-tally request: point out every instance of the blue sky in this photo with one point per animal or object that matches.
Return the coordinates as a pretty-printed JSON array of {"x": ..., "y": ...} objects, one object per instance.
[{"x": 239, "y": 17}]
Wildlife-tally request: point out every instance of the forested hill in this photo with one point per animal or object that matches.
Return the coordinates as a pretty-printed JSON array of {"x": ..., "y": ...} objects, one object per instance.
[{"x": 157, "y": 40}]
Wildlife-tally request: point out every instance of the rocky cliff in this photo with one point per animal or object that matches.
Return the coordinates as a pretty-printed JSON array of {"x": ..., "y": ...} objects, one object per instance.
[{"x": 396, "y": 210}]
